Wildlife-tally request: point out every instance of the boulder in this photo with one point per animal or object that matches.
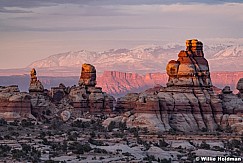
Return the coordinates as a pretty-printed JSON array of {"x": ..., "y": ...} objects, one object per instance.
[
  {"x": 226, "y": 90},
  {"x": 65, "y": 115}
]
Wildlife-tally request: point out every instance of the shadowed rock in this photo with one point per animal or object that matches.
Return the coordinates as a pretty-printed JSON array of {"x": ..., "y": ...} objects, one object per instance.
[
  {"x": 188, "y": 103},
  {"x": 14, "y": 105}
]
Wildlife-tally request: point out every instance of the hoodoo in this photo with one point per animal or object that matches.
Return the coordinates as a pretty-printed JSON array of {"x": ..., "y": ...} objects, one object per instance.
[
  {"x": 188, "y": 103},
  {"x": 88, "y": 75},
  {"x": 87, "y": 97},
  {"x": 35, "y": 85},
  {"x": 191, "y": 68}
]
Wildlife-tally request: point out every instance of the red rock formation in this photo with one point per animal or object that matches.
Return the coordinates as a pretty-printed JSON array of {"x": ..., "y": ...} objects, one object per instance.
[
  {"x": 72, "y": 102},
  {"x": 88, "y": 75},
  {"x": 188, "y": 103},
  {"x": 87, "y": 97},
  {"x": 120, "y": 83},
  {"x": 35, "y": 85},
  {"x": 191, "y": 68},
  {"x": 14, "y": 104}
]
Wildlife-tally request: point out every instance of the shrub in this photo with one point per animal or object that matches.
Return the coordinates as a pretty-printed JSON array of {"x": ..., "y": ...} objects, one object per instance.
[
  {"x": 204, "y": 145},
  {"x": 3, "y": 122},
  {"x": 4, "y": 150},
  {"x": 96, "y": 142},
  {"x": 111, "y": 126},
  {"x": 79, "y": 148},
  {"x": 163, "y": 143}
]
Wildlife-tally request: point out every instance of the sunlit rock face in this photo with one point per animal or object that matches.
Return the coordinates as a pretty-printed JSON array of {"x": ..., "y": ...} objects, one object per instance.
[
  {"x": 191, "y": 68},
  {"x": 88, "y": 75},
  {"x": 35, "y": 85},
  {"x": 87, "y": 97},
  {"x": 71, "y": 102},
  {"x": 40, "y": 101},
  {"x": 189, "y": 98},
  {"x": 188, "y": 103}
]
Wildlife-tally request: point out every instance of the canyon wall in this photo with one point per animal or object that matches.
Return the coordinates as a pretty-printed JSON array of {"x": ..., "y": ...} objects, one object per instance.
[{"x": 119, "y": 83}]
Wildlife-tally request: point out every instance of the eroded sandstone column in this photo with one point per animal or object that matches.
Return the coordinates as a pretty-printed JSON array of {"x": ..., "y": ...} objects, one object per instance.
[
  {"x": 35, "y": 85},
  {"x": 191, "y": 68},
  {"x": 88, "y": 75}
]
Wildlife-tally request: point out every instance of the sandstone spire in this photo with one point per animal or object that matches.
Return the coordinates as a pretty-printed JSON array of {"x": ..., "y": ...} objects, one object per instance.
[
  {"x": 35, "y": 84},
  {"x": 88, "y": 75},
  {"x": 191, "y": 68}
]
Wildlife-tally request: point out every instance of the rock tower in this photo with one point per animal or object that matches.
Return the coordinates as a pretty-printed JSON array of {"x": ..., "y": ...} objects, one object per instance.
[
  {"x": 87, "y": 97},
  {"x": 187, "y": 104},
  {"x": 191, "y": 68},
  {"x": 35, "y": 85},
  {"x": 88, "y": 75}
]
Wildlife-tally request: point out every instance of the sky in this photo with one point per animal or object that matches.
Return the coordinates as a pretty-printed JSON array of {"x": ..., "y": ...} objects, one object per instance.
[{"x": 35, "y": 29}]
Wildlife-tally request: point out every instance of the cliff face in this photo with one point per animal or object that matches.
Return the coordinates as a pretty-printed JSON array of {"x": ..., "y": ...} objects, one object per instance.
[
  {"x": 112, "y": 82},
  {"x": 120, "y": 83},
  {"x": 188, "y": 103},
  {"x": 14, "y": 104}
]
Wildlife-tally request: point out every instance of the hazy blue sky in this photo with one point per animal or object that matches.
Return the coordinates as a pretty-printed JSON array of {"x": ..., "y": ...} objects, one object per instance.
[{"x": 35, "y": 29}]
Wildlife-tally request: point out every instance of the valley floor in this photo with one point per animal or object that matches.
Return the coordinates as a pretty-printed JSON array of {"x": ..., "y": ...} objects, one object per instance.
[{"x": 86, "y": 140}]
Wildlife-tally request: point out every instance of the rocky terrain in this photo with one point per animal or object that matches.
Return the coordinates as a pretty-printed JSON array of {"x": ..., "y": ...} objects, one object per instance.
[
  {"x": 180, "y": 122},
  {"x": 188, "y": 103},
  {"x": 64, "y": 102},
  {"x": 87, "y": 140}
]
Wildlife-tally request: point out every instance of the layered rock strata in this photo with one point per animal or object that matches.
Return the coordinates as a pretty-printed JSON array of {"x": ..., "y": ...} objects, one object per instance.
[
  {"x": 41, "y": 106},
  {"x": 88, "y": 97},
  {"x": 35, "y": 85},
  {"x": 188, "y": 103},
  {"x": 88, "y": 75},
  {"x": 72, "y": 102},
  {"x": 14, "y": 105}
]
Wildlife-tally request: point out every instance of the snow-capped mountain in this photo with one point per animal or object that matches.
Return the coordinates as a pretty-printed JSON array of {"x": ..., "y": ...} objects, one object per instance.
[
  {"x": 144, "y": 59},
  {"x": 68, "y": 59},
  {"x": 231, "y": 51}
]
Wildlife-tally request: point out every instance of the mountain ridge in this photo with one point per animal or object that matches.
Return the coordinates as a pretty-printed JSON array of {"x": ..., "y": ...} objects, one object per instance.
[{"x": 142, "y": 59}]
